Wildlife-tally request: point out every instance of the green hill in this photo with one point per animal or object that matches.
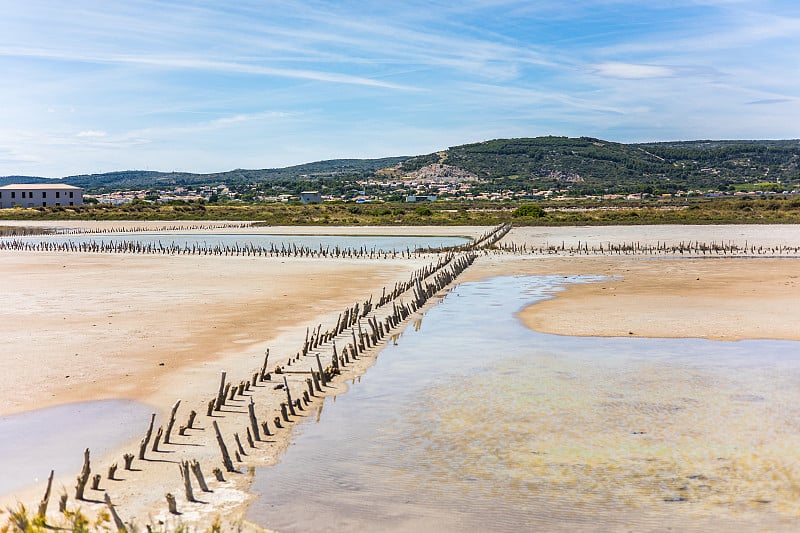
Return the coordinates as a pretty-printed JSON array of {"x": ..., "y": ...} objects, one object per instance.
[
  {"x": 593, "y": 166},
  {"x": 141, "y": 179}
]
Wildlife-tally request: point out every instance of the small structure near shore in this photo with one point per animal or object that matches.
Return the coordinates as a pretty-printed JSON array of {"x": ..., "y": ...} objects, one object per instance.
[{"x": 310, "y": 197}]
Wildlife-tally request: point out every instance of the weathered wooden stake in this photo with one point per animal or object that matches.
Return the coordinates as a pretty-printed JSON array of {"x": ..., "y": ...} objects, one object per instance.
[
  {"x": 198, "y": 474},
  {"x": 277, "y": 422},
  {"x": 146, "y": 439},
  {"x": 288, "y": 396},
  {"x": 171, "y": 421},
  {"x": 218, "y": 474},
  {"x": 226, "y": 458},
  {"x": 112, "y": 471},
  {"x": 264, "y": 366},
  {"x": 251, "y": 410},
  {"x": 171, "y": 504},
  {"x": 128, "y": 458},
  {"x": 83, "y": 478},
  {"x": 62, "y": 502},
  {"x": 265, "y": 428},
  {"x": 249, "y": 437},
  {"x": 118, "y": 523},
  {"x": 46, "y": 499},
  {"x": 321, "y": 371},
  {"x": 157, "y": 440},
  {"x": 96, "y": 481},
  {"x": 187, "y": 481},
  {"x": 239, "y": 444},
  {"x": 221, "y": 394}
]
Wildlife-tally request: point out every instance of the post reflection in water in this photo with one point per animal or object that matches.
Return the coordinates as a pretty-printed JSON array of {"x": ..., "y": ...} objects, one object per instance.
[{"x": 474, "y": 422}]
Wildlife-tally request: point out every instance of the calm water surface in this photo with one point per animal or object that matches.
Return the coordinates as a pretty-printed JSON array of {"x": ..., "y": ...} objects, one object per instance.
[
  {"x": 35, "y": 442},
  {"x": 472, "y": 422}
]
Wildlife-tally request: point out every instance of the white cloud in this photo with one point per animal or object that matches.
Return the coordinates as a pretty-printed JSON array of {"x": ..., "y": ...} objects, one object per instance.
[
  {"x": 92, "y": 134},
  {"x": 632, "y": 71}
]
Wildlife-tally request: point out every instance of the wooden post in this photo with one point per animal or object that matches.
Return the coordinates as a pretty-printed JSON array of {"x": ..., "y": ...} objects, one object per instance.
[
  {"x": 198, "y": 474},
  {"x": 315, "y": 377},
  {"x": 249, "y": 437},
  {"x": 118, "y": 523},
  {"x": 128, "y": 458},
  {"x": 46, "y": 499},
  {"x": 251, "y": 410},
  {"x": 221, "y": 394},
  {"x": 171, "y": 421},
  {"x": 159, "y": 434},
  {"x": 288, "y": 397},
  {"x": 171, "y": 504},
  {"x": 226, "y": 458},
  {"x": 146, "y": 439},
  {"x": 218, "y": 474},
  {"x": 96, "y": 481},
  {"x": 239, "y": 444},
  {"x": 211, "y": 404},
  {"x": 265, "y": 428},
  {"x": 187, "y": 481},
  {"x": 321, "y": 372},
  {"x": 112, "y": 471},
  {"x": 62, "y": 502},
  {"x": 83, "y": 478}
]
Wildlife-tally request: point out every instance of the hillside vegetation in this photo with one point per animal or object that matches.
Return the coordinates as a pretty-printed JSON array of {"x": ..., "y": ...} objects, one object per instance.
[{"x": 590, "y": 166}]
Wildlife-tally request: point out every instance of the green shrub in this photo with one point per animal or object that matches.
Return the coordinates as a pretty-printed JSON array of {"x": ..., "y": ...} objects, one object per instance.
[{"x": 528, "y": 210}]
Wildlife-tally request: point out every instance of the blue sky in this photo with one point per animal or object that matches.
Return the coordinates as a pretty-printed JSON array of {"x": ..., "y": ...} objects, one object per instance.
[{"x": 91, "y": 86}]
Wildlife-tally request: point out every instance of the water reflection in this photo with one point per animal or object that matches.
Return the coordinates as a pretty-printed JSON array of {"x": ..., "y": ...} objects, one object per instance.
[
  {"x": 33, "y": 443},
  {"x": 475, "y": 422}
]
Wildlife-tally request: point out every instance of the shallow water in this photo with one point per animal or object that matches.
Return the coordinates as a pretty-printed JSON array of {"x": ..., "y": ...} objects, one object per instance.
[
  {"x": 506, "y": 429},
  {"x": 378, "y": 243},
  {"x": 35, "y": 442}
]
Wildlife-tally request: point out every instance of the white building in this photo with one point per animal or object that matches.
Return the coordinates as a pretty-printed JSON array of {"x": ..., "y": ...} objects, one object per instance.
[
  {"x": 310, "y": 197},
  {"x": 40, "y": 195}
]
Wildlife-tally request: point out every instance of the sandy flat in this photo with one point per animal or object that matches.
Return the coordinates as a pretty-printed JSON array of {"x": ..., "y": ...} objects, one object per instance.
[{"x": 704, "y": 297}]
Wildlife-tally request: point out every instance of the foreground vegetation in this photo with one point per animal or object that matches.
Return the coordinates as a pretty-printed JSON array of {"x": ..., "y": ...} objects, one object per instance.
[{"x": 775, "y": 209}]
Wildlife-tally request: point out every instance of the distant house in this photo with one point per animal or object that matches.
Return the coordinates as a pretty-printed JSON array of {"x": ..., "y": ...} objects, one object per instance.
[
  {"x": 40, "y": 195},
  {"x": 431, "y": 198},
  {"x": 310, "y": 197}
]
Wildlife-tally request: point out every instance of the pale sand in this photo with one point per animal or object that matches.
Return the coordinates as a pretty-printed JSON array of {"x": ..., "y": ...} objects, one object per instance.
[
  {"x": 199, "y": 315},
  {"x": 715, "y": 298}
]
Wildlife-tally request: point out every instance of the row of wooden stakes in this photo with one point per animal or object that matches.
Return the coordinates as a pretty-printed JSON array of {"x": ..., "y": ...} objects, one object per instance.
[
  {"x": 235, "y": 250},
  {"x": 361, "y": 332},
  {"x": 689, "y": 248}
]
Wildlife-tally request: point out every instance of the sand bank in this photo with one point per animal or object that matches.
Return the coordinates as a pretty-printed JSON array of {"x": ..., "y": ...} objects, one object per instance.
[{"x": 714, "y": 297}]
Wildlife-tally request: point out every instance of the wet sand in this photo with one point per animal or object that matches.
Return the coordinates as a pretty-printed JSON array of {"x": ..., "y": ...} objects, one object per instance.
[{"x": 155, "y": 329}]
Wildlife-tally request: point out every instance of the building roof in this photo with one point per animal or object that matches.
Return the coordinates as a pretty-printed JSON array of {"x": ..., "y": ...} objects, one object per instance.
[{"x": 40, "y": 186}]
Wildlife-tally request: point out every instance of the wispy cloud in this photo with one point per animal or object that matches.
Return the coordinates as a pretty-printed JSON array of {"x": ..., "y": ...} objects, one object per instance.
[
  {"x": 632, "y": 71},
  {"x": 92, "y": 134},
  {"x": 212, "y": 85}
]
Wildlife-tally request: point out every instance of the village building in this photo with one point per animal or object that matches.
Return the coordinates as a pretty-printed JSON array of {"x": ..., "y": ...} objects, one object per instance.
[
  {"x": 40, "y": 195},
  {"x": 310, "y": 197}
]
